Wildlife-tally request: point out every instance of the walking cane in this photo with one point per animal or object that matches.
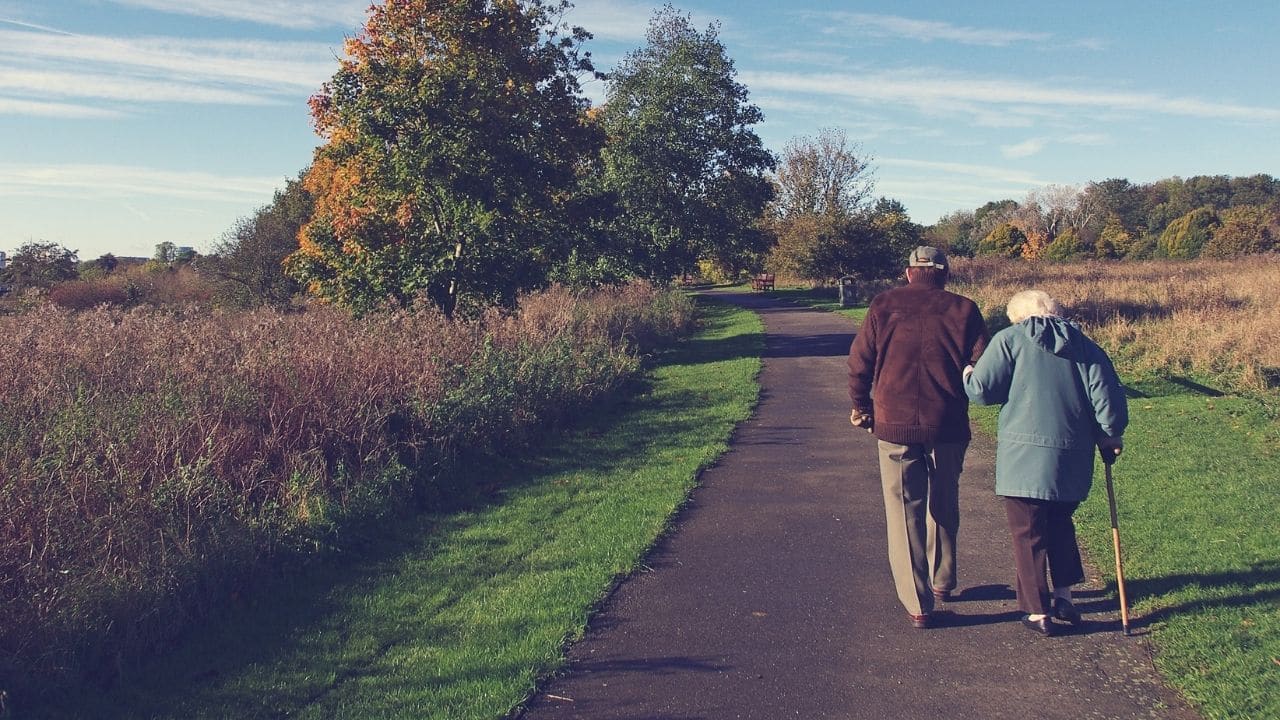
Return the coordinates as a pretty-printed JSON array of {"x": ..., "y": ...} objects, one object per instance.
[{"x": 1107, "y": 460}]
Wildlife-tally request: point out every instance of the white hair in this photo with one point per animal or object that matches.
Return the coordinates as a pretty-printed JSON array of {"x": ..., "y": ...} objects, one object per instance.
[{"x": 1032, "y": 303}]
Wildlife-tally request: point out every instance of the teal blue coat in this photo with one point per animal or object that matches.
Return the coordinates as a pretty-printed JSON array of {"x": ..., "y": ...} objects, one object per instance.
[{"x": 1060, "y": 394}]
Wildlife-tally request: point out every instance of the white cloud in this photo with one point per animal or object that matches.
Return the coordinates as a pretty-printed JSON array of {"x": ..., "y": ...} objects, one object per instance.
[
  {"x": 38, "y": 108},
  {"x": 121, "y": 88},
  {"x": 287, "y": 66},
  {"x": 1033, "y": 146},
  {"x": 296, "y": 14},
  {"x": 611, "y": 19},
  {"x": 1026, "y": 148},
  {"x": 927, "y": 30},
  {"x": 947, "y": 186},
  {"x": 1011, "y": 176},
  {"x": 936, "y": 91},
  {"x": 125, "y": 181},
  {"x": 38, "y": 66}
]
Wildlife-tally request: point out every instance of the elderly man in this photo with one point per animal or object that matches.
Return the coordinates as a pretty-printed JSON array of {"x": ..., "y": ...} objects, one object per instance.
[{"x": 905, "y": 383}]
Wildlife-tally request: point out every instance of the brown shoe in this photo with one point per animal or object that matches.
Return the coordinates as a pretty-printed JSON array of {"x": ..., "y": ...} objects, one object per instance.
[{"x": 920, "y": 622}]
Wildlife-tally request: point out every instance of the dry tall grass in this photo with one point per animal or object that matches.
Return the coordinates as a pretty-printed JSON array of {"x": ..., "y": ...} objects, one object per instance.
[
  {"x": 147, "y": 457},
  {"x": 1209, "y": 318}
]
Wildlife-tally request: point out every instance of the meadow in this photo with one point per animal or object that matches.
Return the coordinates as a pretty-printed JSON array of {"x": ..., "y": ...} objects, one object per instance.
[
  {"x": 159, "y": 461},
  {"x": 1217, "y": 321}
]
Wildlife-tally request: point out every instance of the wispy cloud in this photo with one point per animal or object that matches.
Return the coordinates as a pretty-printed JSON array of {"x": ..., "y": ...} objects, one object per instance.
[
  {"x": 1026, "y": 148},
  {"x": 1033, "y": 146},
  {"x": 612, "y": 19},
  {"x": 952, "y": 185},
  {"x": 37, "y": 108},
  {"x": 933, "y": 90},
  {"x": 30, "y": 26},
  {"x": 38, "y": 66},
  {"x": 297, "y": 14},
  {"x": 132, "y": 90},
  {"x": 1011, "y": 176},
  {"x": 126, "y": 181},
  {"x": 896, "y": 26},
  {"x": 277, "y": 65}
]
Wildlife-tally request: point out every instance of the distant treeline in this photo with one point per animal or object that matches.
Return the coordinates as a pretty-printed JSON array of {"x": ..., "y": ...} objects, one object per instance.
[{"x": 1205, "y": 215}]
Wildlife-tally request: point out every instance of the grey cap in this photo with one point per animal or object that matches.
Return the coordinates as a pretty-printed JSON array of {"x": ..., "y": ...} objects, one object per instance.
[{"x": 927, "y": 256}]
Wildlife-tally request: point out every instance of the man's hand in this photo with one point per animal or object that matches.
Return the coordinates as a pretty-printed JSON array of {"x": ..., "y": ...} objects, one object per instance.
[
  {"x": 862, "y": 420},
  {"x": 1109, "y": 448}
]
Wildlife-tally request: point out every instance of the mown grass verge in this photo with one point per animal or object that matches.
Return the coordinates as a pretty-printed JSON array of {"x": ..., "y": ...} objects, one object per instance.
[{"x": 458, "y": 614}]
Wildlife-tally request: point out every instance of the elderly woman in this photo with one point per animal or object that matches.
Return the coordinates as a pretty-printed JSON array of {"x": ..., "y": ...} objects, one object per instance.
[{"x": 1061, "y": 398}]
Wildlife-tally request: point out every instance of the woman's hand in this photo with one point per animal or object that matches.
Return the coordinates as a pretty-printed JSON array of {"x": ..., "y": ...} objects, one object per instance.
[{"x": 1109, "y": 448}]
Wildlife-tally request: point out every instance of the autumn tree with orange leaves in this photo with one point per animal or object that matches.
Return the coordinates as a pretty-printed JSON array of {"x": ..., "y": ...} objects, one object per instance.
[{"x": 452, "y": 131}]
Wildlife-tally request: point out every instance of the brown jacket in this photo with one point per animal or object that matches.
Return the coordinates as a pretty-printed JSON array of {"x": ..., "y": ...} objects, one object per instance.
[{"x": 905, "y": 364}]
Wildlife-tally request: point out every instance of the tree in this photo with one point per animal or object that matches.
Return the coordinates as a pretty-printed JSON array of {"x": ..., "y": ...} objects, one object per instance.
[
  {"x": 1114, "y": 241},
  {"x": 1185, "y": 236},
  {"x": 40, "y": 265},
  {"x": 687, "y": 169},
  {"x": 1245, "y": 230},
  {"x": 453, "y": 131},
  {"x": 1064, "y": 248},
  {"x": 1006, "y": 240},
  {"x": 822, "y": 189},
  {"x": 1258, "y": 189},
  {"x": 954, "y": 233},
  {"x": 822, "y": 175},
  {"x": 250, "y": 257},
  {"x": 166, "y": 252},
  {"x": 1120, "y": 199}
]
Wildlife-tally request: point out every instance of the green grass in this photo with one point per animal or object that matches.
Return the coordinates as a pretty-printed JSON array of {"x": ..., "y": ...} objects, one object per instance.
[
  {"x": 819, "y": 298},
  {"x": 459, "y": 615},
  {"x": 1196, "y": 494}
]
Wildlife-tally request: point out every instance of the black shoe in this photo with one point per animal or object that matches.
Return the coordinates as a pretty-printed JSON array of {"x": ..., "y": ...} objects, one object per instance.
[
  {"x": 1044, "y": 625},
  {"x": 1063, "y": 610},
  {"x": 942, "y": 596}
]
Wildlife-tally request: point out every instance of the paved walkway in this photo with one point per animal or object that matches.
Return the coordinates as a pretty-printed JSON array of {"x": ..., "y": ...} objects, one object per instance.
[{"x": 771, "y": 597}]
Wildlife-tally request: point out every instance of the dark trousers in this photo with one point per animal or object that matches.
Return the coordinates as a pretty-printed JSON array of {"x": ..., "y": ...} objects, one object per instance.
[{"x": 1043, "y": 536}]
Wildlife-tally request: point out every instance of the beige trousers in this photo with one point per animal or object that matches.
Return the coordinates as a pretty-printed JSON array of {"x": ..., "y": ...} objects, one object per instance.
[{"x": 922, "y": 515}]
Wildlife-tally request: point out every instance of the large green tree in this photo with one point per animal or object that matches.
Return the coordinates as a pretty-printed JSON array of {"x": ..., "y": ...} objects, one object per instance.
[
  {"x": 454, "y": 130},
  {"x": 682, "y": 159}
]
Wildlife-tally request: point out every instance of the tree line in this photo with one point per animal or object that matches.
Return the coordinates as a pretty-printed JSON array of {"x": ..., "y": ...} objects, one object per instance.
[{"x": 1206, "y": 215}]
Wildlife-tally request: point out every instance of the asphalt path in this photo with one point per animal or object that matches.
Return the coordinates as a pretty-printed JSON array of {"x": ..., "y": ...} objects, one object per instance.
[{"x": 771, "y": 595}]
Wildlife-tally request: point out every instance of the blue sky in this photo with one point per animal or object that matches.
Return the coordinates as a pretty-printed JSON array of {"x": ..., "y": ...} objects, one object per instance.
[{"x": 125, "y": 123}]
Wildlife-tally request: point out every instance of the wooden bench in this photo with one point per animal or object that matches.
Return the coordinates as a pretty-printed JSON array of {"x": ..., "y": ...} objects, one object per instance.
[{"x": 762, "y": 282}]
